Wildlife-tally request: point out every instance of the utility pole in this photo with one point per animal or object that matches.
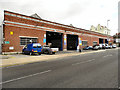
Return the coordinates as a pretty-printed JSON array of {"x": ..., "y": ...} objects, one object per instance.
[
  {"x": 107, "y": 23},
  {"x": 107, "y": 31}
]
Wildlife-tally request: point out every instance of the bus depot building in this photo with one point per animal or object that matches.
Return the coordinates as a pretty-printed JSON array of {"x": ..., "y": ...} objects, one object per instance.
[{"x": 19, "y": 30}]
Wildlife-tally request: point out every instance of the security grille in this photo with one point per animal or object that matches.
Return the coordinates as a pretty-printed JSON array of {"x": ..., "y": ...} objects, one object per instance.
[
  {"x": 26, "y": 40},
  {"x": 84, "y": 43}
]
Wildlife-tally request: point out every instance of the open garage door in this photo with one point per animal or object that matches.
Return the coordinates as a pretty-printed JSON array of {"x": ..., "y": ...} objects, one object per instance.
[
  {"x": 106, "y": 41},
  {"x": 55, "y": 39},
  {"x": 72, "y": 42},
  {"x": 100, "y": 41}
]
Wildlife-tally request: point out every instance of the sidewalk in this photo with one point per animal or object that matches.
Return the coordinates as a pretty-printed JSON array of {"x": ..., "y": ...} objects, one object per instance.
[{"x": 24, "y": 59}]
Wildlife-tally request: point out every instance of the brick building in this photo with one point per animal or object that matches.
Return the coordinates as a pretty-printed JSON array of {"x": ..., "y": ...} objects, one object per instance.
[
  {"x": 19, "y": 30},
  {"x": 117, "y": 39}
]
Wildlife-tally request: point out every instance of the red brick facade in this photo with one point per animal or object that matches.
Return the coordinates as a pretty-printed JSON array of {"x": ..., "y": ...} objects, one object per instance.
[{"x": 22, "y": 25}]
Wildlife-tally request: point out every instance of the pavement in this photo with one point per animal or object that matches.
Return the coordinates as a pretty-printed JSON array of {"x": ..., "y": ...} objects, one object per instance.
[
  {"x": 18, "y": 59},
  {"x": 98, "y": 69}
]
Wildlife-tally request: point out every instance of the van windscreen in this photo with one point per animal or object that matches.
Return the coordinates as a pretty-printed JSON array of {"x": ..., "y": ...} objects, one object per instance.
[
  {"x": 36, "y": 45},
  {"x": 39, "y": 46}
]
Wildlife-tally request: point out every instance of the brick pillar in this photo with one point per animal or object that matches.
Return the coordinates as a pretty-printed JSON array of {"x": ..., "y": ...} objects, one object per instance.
[
  {"x": 64, "y": 42},
  {"x": 44, "y": 38},
  {"x": 103, "y": 41}
]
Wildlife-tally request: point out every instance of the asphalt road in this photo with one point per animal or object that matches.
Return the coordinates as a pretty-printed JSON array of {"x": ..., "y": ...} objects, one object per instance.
[{"x": 95, "y": 70}]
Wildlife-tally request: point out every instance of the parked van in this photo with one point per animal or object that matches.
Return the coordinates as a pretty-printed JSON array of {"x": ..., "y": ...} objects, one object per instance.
[
  {"x": 46, "y": 49},
  {"x": 114, "y": 46},
  {"x": 32, "y": 48}
]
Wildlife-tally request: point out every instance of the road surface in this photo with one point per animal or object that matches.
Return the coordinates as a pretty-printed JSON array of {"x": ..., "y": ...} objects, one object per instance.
[{"x": 93, "y": 70}]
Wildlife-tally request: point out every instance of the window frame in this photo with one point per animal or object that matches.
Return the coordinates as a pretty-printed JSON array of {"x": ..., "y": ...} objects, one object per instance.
[
  {"x": 84, "y": 41},
  {"x": 26, "y": 40}
]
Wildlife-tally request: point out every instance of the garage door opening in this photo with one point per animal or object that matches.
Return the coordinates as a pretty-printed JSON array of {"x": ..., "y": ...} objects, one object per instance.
[
  {"x": 100, "y": 41},
  {"x": 106, "y": 41},
  {"x": 72, "y": 42},
  {"x": 55, "y": 39}
]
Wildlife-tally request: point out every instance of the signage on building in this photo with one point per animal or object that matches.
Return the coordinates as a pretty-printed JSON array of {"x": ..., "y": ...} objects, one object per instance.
[
  {"x": 44, "y": 35},
  {"x": 11, "y": 48},
  {"x": 65, "y": 39},
  {"x": 54, "y": 30},
  {"x": 7, "y": 42},
  {"x": 44, "y": 40},
  {"x": 11, "y": 33},
  {"x": 80, "y": 41}
]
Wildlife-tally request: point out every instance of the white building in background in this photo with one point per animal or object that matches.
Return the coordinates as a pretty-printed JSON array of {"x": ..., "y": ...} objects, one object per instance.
[{"x": 100, "y": 29}]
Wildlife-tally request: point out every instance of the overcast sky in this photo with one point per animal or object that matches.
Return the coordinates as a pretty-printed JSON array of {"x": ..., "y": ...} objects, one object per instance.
[{"x": 80, "y": 13}]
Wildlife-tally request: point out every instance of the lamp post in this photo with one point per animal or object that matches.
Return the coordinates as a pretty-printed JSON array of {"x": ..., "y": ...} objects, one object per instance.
[
  {"x": 107, "y": 31},
  {"x": 107, "y": 23}
]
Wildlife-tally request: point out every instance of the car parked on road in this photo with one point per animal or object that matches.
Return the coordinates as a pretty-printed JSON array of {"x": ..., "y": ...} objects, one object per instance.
[
  {"x": 32, "y": 49},
  {"x": 100, "y": 46},
  {"x": 47, "y": 50},
  {"x": 114, "y": 46},
  {"x": 88, "y": 48},
  {"x": 103, "y": 46},
  {"x": 110, "y": 46},
  {"x": 106, "y": 46},
  {"x": 95, "y": 47}
]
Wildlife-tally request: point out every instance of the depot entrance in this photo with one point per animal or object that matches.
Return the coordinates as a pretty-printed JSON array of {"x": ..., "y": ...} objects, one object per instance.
[
  {"x": 106, "y": 41},
  {"x": 100, "y": 41},
  {"x": 55, "y": 39},
  {"x": 72, "y": 42}
]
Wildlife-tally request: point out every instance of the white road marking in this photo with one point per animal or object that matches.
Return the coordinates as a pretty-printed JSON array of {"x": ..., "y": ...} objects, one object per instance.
[
  {"x": 19, "y": 65},
  {"x": 13, "y": 66},
  {"x": 83, "y": 62},
  {"x": 107, "y": 55},
  {"x": 25, "y": 76}
]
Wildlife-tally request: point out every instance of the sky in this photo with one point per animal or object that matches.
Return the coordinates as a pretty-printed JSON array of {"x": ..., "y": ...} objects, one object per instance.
[{"x": 79, "y": 13}]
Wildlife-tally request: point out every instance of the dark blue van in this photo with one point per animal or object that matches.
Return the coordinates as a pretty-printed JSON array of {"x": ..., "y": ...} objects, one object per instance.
[{"x": 32, "y": 48}]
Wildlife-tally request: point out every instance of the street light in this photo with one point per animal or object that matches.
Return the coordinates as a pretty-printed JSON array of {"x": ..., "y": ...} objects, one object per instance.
[
  {"x": 107, "y": 23},
  {"x": 107, "y": 31}
]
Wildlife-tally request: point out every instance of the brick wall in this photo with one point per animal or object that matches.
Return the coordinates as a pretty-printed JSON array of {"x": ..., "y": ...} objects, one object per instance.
[
  {"x": 34, "y": 31},
  {"x": 15, "y": 39}
]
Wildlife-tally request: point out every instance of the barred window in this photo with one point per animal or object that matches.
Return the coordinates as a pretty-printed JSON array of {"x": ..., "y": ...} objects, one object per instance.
[
  {"x": 94, "y": 43},
  {"x": 26, "y": 40},
  {"x": 84, "y": 43}
]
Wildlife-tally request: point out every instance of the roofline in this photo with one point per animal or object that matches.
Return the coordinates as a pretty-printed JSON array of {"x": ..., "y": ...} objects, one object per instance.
[{"x": 58, "y": 23}]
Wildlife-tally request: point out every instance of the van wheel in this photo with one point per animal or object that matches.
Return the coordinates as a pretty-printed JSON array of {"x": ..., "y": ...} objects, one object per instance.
[
  {"x": 53, "y": 52},
  {"x": 39, "y": 53},
  {"x": 23, "y": 52},
  {"x": 46, "y": 52},
  {"x": 30, "y": 53},
  {"x": 50, "y": 53}
]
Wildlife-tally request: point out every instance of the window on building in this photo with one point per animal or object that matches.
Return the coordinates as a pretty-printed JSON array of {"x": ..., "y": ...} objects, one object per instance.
[
  {"x": 94, "y": 43},
  {"x": 84, "y": 43},
  {"x": 26, "y": 40}
]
